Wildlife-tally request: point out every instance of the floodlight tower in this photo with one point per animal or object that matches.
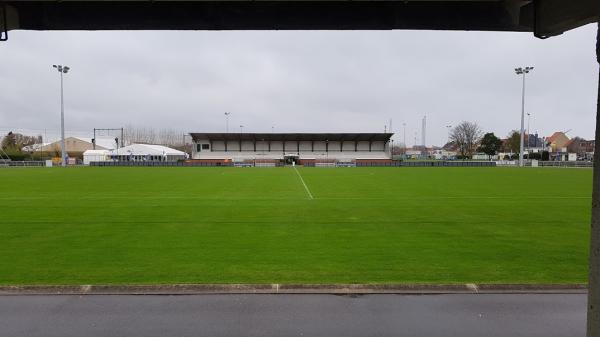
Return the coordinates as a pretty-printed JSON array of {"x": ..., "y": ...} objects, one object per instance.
[
  {"x": 528, "y": 134},
  {"x": 227, "y": 121},
  {"x": 62, "y": 70},
  {"x": 424, "y": 131},
  {"x": 522, "y": 72}
]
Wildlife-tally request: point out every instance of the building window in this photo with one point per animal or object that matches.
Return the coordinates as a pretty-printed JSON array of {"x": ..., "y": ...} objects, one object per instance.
[
  {"x": 198, "y": 147},
  {"x": 205, "y": 146}
]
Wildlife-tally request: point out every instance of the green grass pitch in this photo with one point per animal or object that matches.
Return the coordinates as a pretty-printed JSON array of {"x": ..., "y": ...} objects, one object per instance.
[{"x": 261, "y": 225}]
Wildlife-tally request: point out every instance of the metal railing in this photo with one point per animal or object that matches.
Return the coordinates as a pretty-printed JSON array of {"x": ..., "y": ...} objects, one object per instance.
[
  {"x": 31, "y": 163},
  {"x": 565, "y": 164}
]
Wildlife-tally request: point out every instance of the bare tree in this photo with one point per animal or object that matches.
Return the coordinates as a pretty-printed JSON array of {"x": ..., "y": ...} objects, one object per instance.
[
  {"x": 398, "y": 149},
  {"x": 17, "y": 141},
  {"x": 466, "y": 136},
  {"x": 166, "y": 137}
]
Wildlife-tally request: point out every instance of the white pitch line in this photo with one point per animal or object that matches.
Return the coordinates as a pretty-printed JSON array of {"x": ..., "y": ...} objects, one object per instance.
[{"x": 303, "y": 183}]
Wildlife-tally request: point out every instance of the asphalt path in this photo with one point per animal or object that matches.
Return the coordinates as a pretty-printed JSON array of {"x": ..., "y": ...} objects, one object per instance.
[{"x": 460, "y": 315}]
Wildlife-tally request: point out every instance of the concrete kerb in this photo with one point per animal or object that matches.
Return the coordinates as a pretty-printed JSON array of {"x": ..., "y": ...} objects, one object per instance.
[{"x": 333, "y": 289}]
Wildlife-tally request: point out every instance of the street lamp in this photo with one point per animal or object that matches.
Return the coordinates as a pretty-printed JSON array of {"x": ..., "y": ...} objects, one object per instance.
[
  {"x": 404, "y": 135},
  {"x": 227, "y": 121},
  {"x": 241, "y": 128},
  {"x": 62, "y": 70},
  {"x": 448, "y": 128},
  {"x": 522, "y": 72}
]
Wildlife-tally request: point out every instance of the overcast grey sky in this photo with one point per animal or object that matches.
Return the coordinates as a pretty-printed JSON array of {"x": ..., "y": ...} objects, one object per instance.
[{"x": 298, "y": 81}]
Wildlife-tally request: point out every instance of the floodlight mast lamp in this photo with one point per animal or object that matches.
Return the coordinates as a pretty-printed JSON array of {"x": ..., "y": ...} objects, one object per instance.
[
  {"x": 227, "y": 121},
  {"x": 62, "y": 70},
  {"x": 522, "y": 72}
]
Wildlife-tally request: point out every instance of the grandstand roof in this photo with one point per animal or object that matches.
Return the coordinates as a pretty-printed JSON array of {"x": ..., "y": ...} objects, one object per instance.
[
  {"x": 543, "y": 17},
  {"x": 293, "y": 136}
]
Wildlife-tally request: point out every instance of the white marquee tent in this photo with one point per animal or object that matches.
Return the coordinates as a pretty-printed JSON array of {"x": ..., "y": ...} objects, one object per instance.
[
  {"x": 147, "y": 152},
  {"x": 95, "y": 155}
]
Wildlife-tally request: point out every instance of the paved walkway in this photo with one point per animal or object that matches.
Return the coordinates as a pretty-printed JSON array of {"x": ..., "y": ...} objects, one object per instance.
[{"x": 462, "y": 315}]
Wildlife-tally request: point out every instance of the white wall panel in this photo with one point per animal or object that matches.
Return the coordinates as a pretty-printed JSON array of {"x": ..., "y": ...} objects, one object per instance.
[
  {"x": 277, "y": 146},
  {"x": 363, "y": 146},
  {"x": 218, "y": 145},
  {"x": 348, "y": 146},
  {"x": 247, "y": 145},
  {"x": 305, "y": 146}
]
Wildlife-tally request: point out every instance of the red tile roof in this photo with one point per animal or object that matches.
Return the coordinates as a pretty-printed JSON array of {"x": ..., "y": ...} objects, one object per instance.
[{"x": 554, "y": 136}]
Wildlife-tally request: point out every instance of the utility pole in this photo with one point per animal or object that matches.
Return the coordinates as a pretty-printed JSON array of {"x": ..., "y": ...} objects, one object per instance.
[
  {"x": 62, "y": 70},
  {"x": 522, "y": 72}
]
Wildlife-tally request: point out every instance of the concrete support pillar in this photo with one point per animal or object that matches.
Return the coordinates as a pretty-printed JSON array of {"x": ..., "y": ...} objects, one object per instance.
[{"x": 593, "y": 313}]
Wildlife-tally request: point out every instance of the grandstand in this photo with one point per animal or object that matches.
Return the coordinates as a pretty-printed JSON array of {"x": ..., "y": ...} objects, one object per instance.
[{"x": 274, "y": 149}]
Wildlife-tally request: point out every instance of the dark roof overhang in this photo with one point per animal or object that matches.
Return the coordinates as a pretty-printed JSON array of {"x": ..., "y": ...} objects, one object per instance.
[
  {"x": 293, "y": 136},
  {"x": 543, "y": 17}
]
